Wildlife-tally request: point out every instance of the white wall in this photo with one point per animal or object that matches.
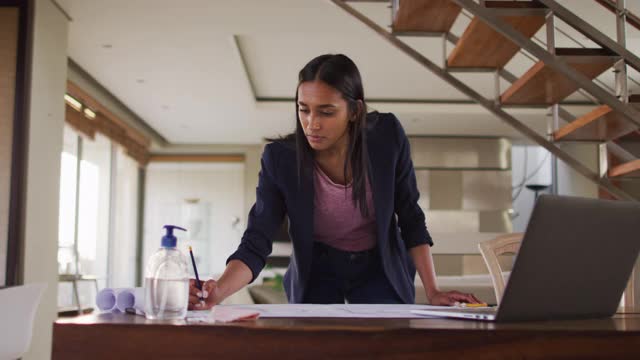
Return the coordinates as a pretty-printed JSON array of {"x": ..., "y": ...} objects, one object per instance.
[
  {"x": 530, "y": 165},
  {"x": 48, "y": 84},
  {"x": 122, "y": 255},
  {"x": 219, "y": 189},
  {"x": 252, "y": 155},
  {"x": 572, "y": 183},
  {"x": 569, "y": 181}
]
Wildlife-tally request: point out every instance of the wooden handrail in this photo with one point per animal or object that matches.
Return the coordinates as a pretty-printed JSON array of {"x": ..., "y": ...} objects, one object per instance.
[{"x": 611, "y": 6}]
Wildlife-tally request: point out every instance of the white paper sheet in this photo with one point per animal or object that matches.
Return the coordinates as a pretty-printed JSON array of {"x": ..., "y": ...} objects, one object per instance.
[{"x": 372, "y": 311}]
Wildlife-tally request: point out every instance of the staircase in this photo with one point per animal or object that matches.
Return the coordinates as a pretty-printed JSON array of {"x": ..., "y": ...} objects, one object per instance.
[
  {"x": 497, "y": 32},
  {"x": 501, "y": 29}
]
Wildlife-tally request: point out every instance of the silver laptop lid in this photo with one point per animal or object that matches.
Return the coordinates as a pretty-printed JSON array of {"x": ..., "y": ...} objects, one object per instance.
[{"x": 575, "y": 259}]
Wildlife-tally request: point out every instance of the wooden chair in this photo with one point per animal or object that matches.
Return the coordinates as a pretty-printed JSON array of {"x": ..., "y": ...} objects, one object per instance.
[
  {"x": 630, "y": 296},
  {"x": 510, "y": 244},
  {"x": 491, "y": 249}
]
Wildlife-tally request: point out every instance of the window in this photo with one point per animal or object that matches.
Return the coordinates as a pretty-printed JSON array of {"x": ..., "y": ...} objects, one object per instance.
[
  {"x": 93, "y": 207},
  {"x": 98, "y": 216},
  {"x": 204, "y": 198},
  {"x": 122, "y": 263},
  {"x": 67, "y": 209}
]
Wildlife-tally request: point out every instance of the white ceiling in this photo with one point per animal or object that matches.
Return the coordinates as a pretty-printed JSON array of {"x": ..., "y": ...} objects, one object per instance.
[{"x": 178, "y": 65}]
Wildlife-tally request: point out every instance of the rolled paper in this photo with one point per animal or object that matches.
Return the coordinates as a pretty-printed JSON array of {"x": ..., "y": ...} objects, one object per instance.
[
  {"x": 130, "y": 298},
  {"x": 139, "y": 303},
  {"x": 125, "y": 299},
  {"x": 110, "y": 299},
  {"x": 106, "y": 299}
]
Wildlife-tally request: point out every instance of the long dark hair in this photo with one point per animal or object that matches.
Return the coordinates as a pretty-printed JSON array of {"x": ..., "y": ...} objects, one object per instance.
[{"x": 341, "y": 73}]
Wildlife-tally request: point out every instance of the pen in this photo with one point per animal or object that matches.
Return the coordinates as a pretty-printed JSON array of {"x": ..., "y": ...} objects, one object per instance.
[
  {"x": 195, "y": 271},
  {"x": 474, "y": 305}
]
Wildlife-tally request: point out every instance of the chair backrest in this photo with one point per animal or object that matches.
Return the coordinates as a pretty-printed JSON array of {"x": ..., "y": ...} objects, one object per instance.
[
  {"x": 491, "y": 249},
  {"x": 17, "y": 310},
  {"x": 510, "y": 244},
  {"x": 631, "y": 294}
]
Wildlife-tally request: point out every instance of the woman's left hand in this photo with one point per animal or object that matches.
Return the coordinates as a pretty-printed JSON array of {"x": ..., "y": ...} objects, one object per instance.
[{"x": 451, "y": 297}]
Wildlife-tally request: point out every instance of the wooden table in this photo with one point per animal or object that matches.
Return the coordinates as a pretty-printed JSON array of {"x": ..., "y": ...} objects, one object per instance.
[{"x": 123, "y": 336}]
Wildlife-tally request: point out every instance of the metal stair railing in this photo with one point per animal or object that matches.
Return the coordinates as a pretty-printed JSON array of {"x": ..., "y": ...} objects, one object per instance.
[
  {"x": 577, "y": 42},
  {"x": 496, "y": 108},
  {"x": 542, "y": 43},
  {"x": 549, "y": 59},
  {"x": 612, "y": 147},
  {"x": 556, "y": 64},
  {"x": 505, "y": 74},
  {"x": 623, "y": 16},
  {"x": 565, "y": 115},
  {"x": 588, "y": 30},
  {"x": 502, "y": 72},
  {"x": 612, "y": 6}
]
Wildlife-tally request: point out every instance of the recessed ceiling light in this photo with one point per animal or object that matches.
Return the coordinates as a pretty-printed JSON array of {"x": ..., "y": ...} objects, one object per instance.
[
  {"x": 107, "y": 46},
  {"x": 73, "y": 102},
  {"x": 89, "y": 113}
]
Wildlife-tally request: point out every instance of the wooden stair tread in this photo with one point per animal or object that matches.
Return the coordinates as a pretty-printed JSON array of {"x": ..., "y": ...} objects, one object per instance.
[
  {"x": 480, "y": 46},
  {"x": 425, "y": 16},
  {"x": 541, "y": 85},
  {"x": 600, "y": 124},
  {"x": 629, "y": 169},
  {"x": 634, "y": 135}
]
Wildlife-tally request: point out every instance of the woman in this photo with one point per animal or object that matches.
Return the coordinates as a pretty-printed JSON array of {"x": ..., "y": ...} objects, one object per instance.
[{"x": 343, "y": 178}]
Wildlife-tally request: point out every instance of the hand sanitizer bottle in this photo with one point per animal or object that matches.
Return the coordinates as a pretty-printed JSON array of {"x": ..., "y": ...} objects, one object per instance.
[{"x": 166, "y": 283}]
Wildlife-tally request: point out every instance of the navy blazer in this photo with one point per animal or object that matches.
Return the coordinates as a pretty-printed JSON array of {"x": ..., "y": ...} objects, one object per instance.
[{"x": 400, "y": 221}]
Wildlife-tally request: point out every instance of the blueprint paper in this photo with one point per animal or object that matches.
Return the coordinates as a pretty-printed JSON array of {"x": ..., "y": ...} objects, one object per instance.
[{"x": 371, "y": 311}]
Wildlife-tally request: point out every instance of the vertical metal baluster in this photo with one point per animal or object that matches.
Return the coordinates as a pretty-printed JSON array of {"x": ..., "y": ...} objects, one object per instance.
[
  {"x": 444, "y": 51},
  {"x": 553, "y": 120},
  {"x": 496, "y": 87},
  {"x": 622, "y": 90}
]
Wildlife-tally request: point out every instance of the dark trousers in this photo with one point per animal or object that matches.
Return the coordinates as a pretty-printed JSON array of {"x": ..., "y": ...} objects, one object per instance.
[{"x": 357, "y": 277}]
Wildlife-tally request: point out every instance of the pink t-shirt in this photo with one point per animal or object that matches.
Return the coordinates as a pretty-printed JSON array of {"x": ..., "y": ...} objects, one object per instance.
[{"x": 337, "y": 221}]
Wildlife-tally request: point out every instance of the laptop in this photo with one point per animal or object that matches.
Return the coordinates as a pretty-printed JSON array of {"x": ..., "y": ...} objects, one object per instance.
[{"x": 574, "y": 262}]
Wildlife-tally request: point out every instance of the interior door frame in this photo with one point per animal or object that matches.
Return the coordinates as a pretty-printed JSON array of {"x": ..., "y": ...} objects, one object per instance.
[{"x": 14, "y": 235}]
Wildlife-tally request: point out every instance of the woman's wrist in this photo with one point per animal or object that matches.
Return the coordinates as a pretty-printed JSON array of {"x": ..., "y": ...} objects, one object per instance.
[
  {"x": 222, "y": 291},
  {"x": 431, "y": 291}
]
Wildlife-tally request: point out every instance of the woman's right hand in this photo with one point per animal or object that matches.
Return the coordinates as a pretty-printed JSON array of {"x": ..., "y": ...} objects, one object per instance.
[{"x": 210, "y": 295}]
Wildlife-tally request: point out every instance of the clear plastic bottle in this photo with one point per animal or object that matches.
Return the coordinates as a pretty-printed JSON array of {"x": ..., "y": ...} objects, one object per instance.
[{"x": 166, "y": 283}]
